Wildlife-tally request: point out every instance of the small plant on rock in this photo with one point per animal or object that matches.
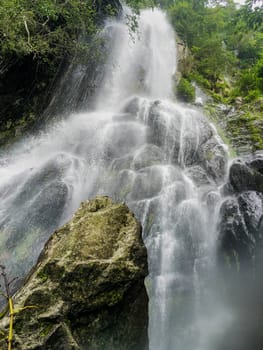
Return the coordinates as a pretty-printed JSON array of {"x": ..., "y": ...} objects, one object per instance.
[
  {"x": 185, "y": 91},
  {"x": 9, "y": 307}
]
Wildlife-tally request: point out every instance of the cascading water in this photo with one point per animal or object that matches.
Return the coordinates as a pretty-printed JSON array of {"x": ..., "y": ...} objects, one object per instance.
[{"x": 162, "y": 158}]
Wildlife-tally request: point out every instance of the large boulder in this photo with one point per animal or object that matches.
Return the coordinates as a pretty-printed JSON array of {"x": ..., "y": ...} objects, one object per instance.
[
  {"x": 88, "y": 285},
  {"x": 239, "y": 227},
  {"x": 247, "y": 174}
]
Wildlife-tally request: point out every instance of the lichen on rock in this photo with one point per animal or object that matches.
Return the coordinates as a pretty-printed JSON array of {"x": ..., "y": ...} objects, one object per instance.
[{"x": 88, "y": 285}]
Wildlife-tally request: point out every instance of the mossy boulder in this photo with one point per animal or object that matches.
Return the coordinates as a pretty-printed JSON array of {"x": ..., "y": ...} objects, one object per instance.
[{"x": 88, "y": 285}]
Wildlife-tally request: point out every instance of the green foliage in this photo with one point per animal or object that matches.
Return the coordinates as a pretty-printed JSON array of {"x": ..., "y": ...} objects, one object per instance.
[
  {"x": 202, "y": 28},
  {"x": 38, "y": 39},
  {"x": 226, "y": 46},
  {"x": 137, "y": 5},
  {"x": 44, "y": 27},
  {"x": 212, "y": 60},
  {"x": 252, "y": 13},
  {"x": 185, "y": 91}
]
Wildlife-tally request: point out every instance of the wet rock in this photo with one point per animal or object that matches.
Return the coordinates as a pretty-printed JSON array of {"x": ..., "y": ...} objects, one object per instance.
[
  {"x": 159, "y": 126},
  {"x": 234, "y": 237},
  {"x": 147, "y": 183},
  {"x": 241, "y": 270},
  {"x": 123, "y": 117},
  {"x": 212, "y": 198},
  {"x": 247, "y": 174},
  {"x": 198, "y": 175},
  {"x": 122, "y": 184},
  {"x": 132, "y": 106},
  {"x": 239, "y": 226},
  {"x": 251, "y": 207},
  {"x": 213, "y": 157},
  {"x": 205, "y": 129},
  {"x": 123, "y": 139},
  {"x": 122, "y": 163},
  {"x": 25, "y": 231},
  {"x": 88, "y": 285},
  {"x": 148, "y": 155}
]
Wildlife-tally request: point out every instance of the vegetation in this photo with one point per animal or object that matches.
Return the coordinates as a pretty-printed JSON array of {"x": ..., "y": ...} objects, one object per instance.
[
  {"x": 38, "y": 39},
  {"x": 226, "y": 43},
  {"x": 226, "y": 55},
  {"x": 44, "y": 28},
  {"x": 185, "y": 91}
]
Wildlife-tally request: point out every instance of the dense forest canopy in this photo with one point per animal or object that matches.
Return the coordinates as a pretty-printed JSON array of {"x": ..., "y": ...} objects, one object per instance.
[{"x": 38, "y": 38}]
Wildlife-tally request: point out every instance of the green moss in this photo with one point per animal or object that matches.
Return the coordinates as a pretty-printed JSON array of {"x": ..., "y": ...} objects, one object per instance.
[
  {"x": 109, "y": 298},
  {"x": 46, "y": 328},
  {"x": 249, "y": 119},
  {"x": 42, "y": 276}
]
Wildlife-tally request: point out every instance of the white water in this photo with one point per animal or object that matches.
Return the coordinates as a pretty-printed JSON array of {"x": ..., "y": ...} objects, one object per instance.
[{"x": 139, "y": 146}]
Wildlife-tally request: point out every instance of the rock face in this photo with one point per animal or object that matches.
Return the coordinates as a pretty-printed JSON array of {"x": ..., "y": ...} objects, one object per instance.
[
  {"x": 247, "y": 175},
  {"x": 243, "y": 126},
  {"x": 240, "y": 254},
  {"x": 88, "y": 285},
  {"x": 242, "y": 213}
]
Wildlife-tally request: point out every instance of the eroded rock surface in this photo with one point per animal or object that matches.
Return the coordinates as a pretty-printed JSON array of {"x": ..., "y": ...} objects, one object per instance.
[{"x": 88, "y": 285}]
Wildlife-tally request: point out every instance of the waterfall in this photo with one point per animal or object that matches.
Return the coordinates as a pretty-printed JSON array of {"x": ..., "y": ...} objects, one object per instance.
[{"x": 138, "y": 145}]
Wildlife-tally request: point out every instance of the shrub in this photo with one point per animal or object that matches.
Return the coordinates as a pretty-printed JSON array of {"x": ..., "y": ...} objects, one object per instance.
[{"x": 185, "y": 91}]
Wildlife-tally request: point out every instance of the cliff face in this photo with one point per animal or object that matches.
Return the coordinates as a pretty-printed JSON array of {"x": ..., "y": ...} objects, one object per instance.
[{"x": 88, "y": 285}]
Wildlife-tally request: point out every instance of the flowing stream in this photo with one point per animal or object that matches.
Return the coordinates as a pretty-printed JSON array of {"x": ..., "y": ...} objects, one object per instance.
[{"x": 140, "y": 146}]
